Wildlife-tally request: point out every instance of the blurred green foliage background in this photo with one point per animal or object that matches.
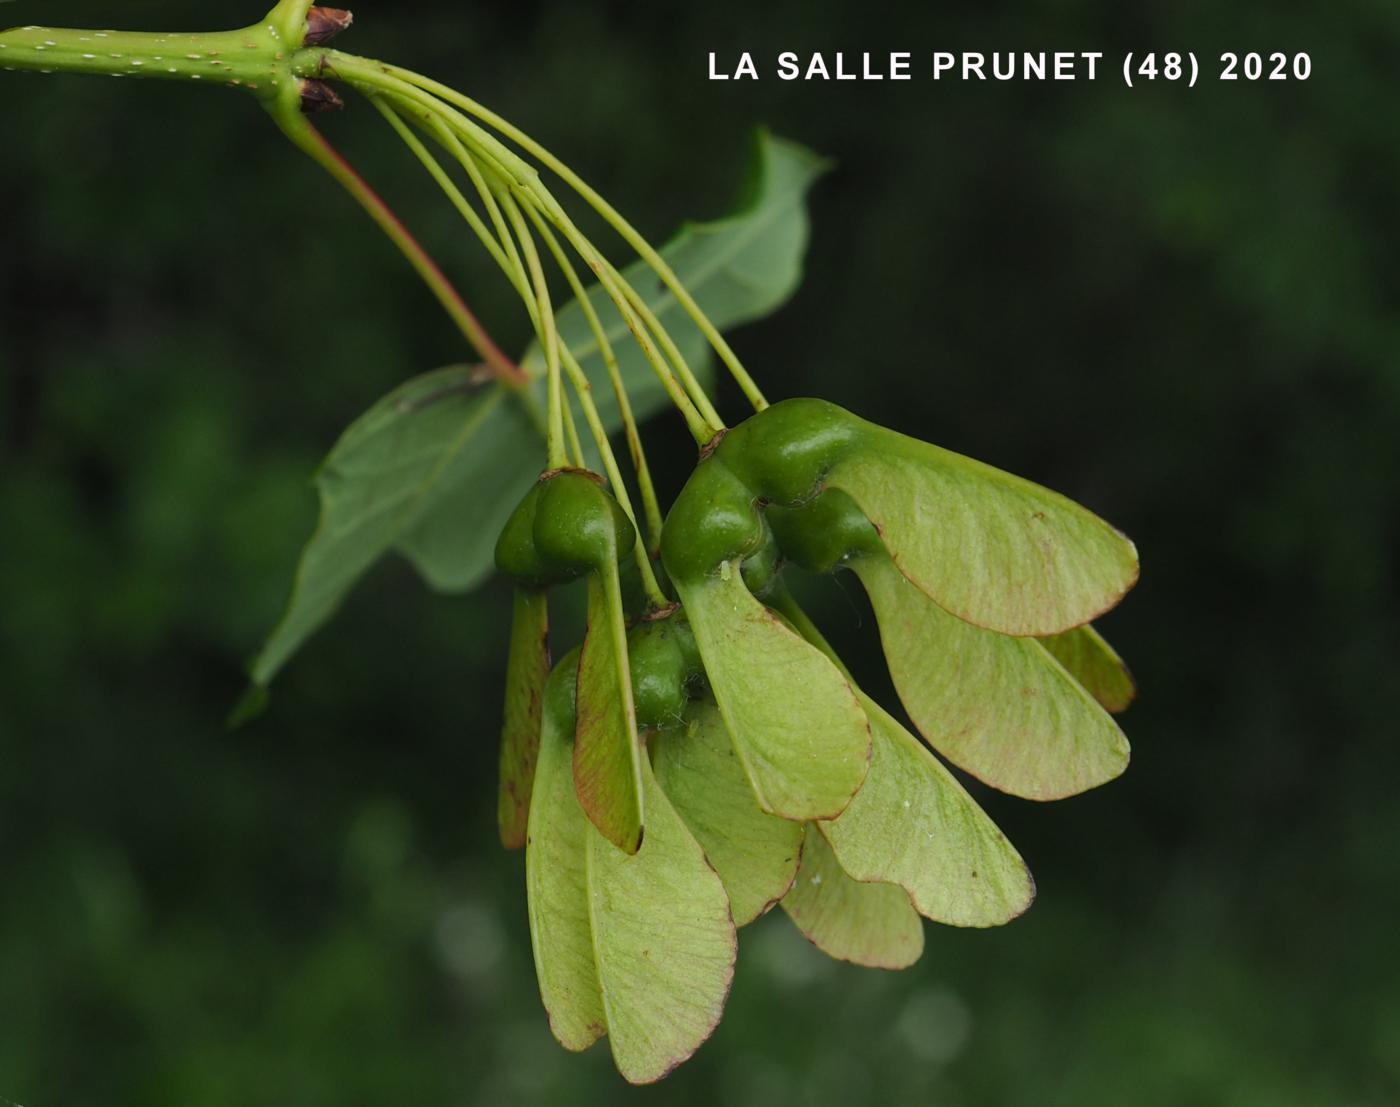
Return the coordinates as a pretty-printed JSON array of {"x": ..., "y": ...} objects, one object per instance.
[{"x": 1178, "y": 306}]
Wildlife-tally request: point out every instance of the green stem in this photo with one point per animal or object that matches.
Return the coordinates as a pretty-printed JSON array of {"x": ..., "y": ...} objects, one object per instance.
[
  {"x": 663, "y": 336},
  {"x": 314, "y": 144},
  {"x": 254, "y": 58},
  {"x": 501, "y": 245},
  {"x": 575, "y": 371},
  {"x": 548, "y": 330},
  {"x": 614, "y": 218},
  {"x": 583, "y": 389},
  {"x": 268, "y": 59},
  {"x": 445, "y": 136},
  {"x": 647, "y": 488},
  {"x": 575, "y": 443},
  {"x": 288, "y": 20},
  {"x": 700, "y": 428},
  {"x": 449, "y": 187},
  {"x": 369, "y": 75},
  {"x": 443, "y": 133},
  {"x": 624, "y": 404},
  {"x": 374, "y": 78}
]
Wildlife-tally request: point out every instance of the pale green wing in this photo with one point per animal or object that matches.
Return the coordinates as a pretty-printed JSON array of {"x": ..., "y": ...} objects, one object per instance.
[
  {"x": 991, "y": 548},
  {"x": 1096, "y": 665},
  {"x": 607, "y": 752},
  {"x": 664, "y": 942},
  {"x": 755, "y": 854},
  {"x": 556, "y": 881},
  {"x": 914, "y": 825},
  {"x": 868, "y": 924},
  {"x": 527, "y": 669},
  {"x": 797, "y": 728},
  {"x": 1000, "y": 707}
]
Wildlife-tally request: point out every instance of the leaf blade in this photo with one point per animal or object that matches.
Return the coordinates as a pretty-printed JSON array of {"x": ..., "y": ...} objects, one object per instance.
[{"x": 381, "y": 474}]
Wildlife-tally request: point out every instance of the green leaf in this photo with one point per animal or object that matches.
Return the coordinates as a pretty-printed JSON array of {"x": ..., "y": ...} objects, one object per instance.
[
  {"x": 755, "y": 854},
  {"x": 639, "y": 947},
  {"x": 914, "y": 825},
  {"x": 435, "y": 441},
  {"x": 868, "y": 924},
  {"x": 556, "y": 877},
  {"x": 527, "y": 669},
  {"x": 992, "y": 549},
  {"x": 798, "y": 730},
  {"x": 1000, "y": 707},
  {"x": 1096, "y": 665},
  {"x": 607, "y": 751},
  {"x": 664, "y": 941},
  {"x": 433, "y": 470}
]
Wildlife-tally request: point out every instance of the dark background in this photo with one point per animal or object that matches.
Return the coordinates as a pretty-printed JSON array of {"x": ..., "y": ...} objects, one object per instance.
[{"x": 1177, "y": 306}]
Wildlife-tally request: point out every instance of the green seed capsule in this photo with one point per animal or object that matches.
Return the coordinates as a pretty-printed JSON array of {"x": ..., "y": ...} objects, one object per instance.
[
  {"x": 685, "y": 638},
  {"x": 516, "y": 555},
  {"x": 565, "y": 526},
  {"x": 819, "y": 536},
  {"x": 578, "y": 526},
  {"x": 760, "y": 568},
  {"x": 784, "y": 451},
  {"x": 666, "y": 670},
  {"x": 659, "y": 674},
  {"x": 561, "y": 690},
  {"x": 714, "y": 519}
]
